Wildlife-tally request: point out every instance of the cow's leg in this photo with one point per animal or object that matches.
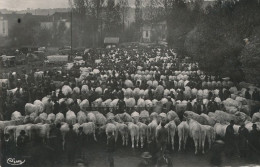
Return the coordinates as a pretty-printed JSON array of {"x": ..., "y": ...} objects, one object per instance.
[
  {"x": 147, "y": 136},
  {"x": 203, "y": 144},
  {"x": 123, "y": 138},
  {"x": 172, "y": 142},
  {"x": 142, "y": 141},
  {"x": 180, "y": 139},
  {"x": 126, "y": 139},
  {"x": 184, "y": 142},
  {"x": 94, "y": 135},
  {"x": 116, "y": 136},
  {"x": 133, "y": 141},
  {"x": 209, "y": 141},
  {"x": 196, "y": 142},
  {"x": 169, "y": 138},
  {"x": 137, "y": 140}
]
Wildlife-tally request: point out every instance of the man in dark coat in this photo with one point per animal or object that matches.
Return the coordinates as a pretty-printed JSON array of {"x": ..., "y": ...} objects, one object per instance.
[
  {"x": 199, "y": 107},
  {"x": 169, "y": 105},
  {"x": 82, "y": 139},
  {"x": 162, "y": 137},
  {"x": 226, "y": 94},
  {"x": 212, "y": 105},
  {"x": 243, "y": 140},
  {"x": 256, "y": 95},
  {"x": 56, "y": 107},
  {"x": 70, "y": 144},
  {"x": 254, "y": 144},
  {"x": 111, "y": 149},
  {"x": 63, "y": 108},
  {"x": 230, "y": 139},
  {"x": 247, "y": 94},
  {"x": 121, "y": 106},
  {"x": 75, "y": 107},
  {"x": 55, "y": 141},
  {"x": 22, "y": 141}
]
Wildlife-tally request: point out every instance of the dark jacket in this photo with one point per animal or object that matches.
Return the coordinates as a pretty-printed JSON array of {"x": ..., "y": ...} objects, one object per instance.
[
  {"x": 162, "y": 135},
  {"x": 111, "y": 144},
  {"x": 82, "y": 139},
  {"x": 247, "y": 95},
  {"x": 253, "y": 139},
  {"x": 55, "y": 139},
  {"x": 56, "y": 107},
  {"x": 243, "y": 137},
  {"x": 230, "y": 134},
  {"x": 71, "y": 140},
  {"x": 22, "y": 140}
]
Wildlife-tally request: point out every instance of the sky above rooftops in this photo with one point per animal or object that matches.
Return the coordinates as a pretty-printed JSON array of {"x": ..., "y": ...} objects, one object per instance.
[
  {"x": 32, "y": 4},
  {"x": 46, "y": 4}
]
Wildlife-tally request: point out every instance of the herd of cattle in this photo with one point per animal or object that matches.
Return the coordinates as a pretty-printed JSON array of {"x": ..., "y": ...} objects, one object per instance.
[{"x": 143, "y": 121}]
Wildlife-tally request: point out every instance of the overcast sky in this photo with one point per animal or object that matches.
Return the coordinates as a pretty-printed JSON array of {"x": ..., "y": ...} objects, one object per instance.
[
  {"x": 44, "y": 4},
  {"x": 34, "y": 4}
]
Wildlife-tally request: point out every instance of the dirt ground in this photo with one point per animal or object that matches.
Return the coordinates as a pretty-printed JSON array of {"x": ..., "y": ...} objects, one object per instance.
[{"x": 129, "y": 157}]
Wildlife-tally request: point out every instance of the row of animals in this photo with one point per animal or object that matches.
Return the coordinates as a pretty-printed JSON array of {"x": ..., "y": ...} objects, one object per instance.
[{"x": 139, "y": 126}]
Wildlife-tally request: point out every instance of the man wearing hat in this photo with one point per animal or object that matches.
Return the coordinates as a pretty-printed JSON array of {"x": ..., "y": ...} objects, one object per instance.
[
  {"x": 230, "y": 139},
  {"x": 162, "y": 137},
  {"x": 80, "y": 163},
  {"x": 81, "y": 143},
  {"x": 22, "y": 140},
  {"x": 254, "y": 143},
  {"x": 70, "y": 140},
  {"x": 169, "y": 105},
  {"x": 146, "y": 161},
  {"x": 243, "y": 139}
]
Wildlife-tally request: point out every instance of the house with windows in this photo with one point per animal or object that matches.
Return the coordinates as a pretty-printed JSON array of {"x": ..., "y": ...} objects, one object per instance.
[
  {"x": 7, "y": 21},
  {"x": 154, "y": 32}
]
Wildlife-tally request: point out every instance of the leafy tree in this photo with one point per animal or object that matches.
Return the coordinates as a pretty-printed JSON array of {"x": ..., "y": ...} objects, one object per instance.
[
  {"x": 124, "y": 5},
  {"x": 112, "y": 19},
  {"x": 250, "y": 58},
  {"x": 138, "y": 18},
  {"x": 217, "y": 40},
  {"x": 87, "y": 22},
  {"x": 42, "y": 36},
  {"x": 179, "y": 24}
]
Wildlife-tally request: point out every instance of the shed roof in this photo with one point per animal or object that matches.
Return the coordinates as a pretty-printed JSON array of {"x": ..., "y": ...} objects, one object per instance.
[{"x": 111, "y": 40}]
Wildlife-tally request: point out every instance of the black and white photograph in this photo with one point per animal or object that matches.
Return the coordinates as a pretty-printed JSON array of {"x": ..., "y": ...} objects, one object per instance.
[{"x": 129, "y": 83}]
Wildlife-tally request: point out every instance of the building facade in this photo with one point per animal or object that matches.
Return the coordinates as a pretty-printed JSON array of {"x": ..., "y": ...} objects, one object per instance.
[{"x": 156, "y": 32}]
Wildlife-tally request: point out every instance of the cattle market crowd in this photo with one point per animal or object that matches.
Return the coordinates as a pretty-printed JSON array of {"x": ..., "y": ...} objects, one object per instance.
[{"x": 151, "y": 99}]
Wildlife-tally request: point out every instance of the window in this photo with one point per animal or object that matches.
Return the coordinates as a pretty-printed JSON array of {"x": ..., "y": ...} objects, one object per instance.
[{"x": 147, "y": 33}]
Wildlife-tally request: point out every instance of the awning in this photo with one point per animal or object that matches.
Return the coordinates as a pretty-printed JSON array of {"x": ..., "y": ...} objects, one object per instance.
[{"x": 111, "y": 40}]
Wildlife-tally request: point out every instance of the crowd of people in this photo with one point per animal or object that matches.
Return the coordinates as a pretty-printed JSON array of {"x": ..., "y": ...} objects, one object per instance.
[{"x": 118, "y": 65}]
